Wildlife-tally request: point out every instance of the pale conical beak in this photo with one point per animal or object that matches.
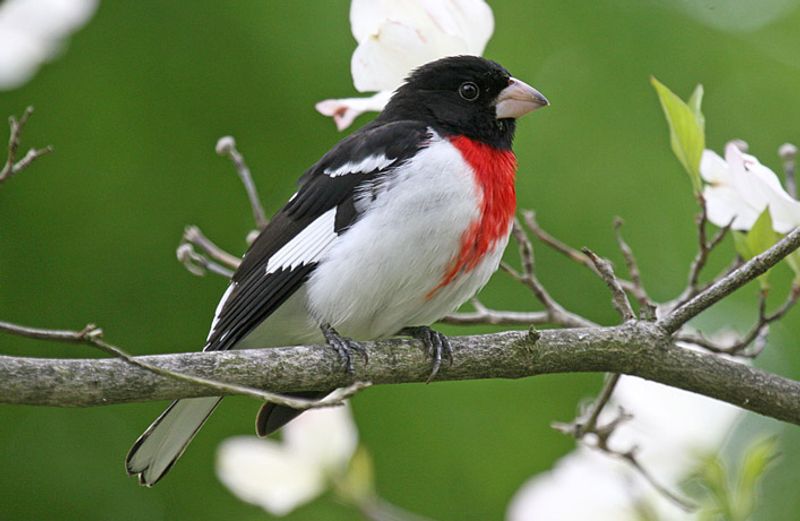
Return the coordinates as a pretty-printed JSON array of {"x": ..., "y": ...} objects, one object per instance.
[{"x": 518, "y": 99}]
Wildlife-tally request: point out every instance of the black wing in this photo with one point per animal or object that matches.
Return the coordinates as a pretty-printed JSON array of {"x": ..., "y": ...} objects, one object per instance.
[{"x": 286, "y": 252}]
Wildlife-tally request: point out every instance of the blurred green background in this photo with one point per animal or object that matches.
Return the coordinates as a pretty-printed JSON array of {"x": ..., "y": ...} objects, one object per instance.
[{"x": 134, "y": 108}]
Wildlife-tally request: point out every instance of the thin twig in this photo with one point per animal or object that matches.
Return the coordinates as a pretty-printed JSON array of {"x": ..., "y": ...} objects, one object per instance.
[
  {"x": 92, "y": 335},
  {"x": 60, "y": 335},
  {"x": 557, "y": 314},
  {"x": 226, "y": 146},
  {"x": 647, "y": 307},
  {"x": 529, "y": 217},
  {"x": 590, "y": 425},
  {"x": 618, "y": 296},
  {"x": 730, "y": 283},
  {"x": 630, "y": 456},
  {"x": 595, "y": 436},
  {"x": 484, "y": 315},
  {"x": 12, "y": 167},
  {"x": 199, "y": 264},
  {"x": 581, "y": 429},
  {"x": 756, "y": 336},
  {"x": 497, "y": 317},
  {"x": 704, "y": 249},
  {"x": 193, "y": 235}
]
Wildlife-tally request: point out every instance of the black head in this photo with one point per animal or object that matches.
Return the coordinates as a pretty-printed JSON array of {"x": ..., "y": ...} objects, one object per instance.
[{"x": 464, "y": 95}]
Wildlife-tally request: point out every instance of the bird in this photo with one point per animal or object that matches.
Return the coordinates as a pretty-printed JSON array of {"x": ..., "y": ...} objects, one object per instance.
[{"x": 396, "y": 226}]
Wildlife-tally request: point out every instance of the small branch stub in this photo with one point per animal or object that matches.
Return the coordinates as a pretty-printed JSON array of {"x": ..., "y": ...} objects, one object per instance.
[
  {"x": 12, "y": 167},
  {"x": 226, "y": 146}
]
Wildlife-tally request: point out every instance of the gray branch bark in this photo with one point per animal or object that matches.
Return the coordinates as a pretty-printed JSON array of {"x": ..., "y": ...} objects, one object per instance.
[{"x": 636, "y": 348}]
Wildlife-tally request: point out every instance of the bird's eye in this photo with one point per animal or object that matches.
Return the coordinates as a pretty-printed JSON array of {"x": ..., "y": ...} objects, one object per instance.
[{"x": 469, "y": 91}]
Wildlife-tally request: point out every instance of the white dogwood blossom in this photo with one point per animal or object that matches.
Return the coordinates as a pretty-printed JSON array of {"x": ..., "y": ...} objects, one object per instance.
[
  {"x": 739, "y": 188},
  {"x": 395, "y": 36},
  {"x": 672, "y": 430},
  {"x": 280, "y": 476},
  {"x": 33, "y": 32}
]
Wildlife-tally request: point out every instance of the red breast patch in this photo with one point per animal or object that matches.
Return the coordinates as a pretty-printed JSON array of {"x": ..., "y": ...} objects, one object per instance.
[{"x": 494, "y": 172}]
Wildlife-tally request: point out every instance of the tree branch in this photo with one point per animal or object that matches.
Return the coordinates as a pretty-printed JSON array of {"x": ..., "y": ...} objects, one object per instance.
[
  {"x": 731, "y": 282},
  {"x": 93, "y": 336},
  {"x": 636, "y": 348}
]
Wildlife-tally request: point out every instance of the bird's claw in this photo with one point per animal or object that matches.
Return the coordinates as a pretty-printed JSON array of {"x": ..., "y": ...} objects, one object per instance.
[
  {"x": 437, "y": 346},
  {"x": 344, "y": 347}
]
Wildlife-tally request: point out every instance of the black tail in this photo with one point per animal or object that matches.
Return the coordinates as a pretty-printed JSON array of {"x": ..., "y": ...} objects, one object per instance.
[{"x": 272, "y": 417}]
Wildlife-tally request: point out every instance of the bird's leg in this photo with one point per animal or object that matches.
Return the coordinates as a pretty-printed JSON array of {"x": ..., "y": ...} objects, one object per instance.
[
  {"x": 343, "y": 346},
  {"x": 436, "y": 345}
]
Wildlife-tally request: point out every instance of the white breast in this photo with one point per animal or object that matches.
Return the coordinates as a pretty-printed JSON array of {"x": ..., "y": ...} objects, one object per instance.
[{"x": 376, "y": 278}]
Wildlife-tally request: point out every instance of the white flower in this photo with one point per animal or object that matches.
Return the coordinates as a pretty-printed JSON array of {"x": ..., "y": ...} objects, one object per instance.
[
  {"x": 740, "y": 188},
  {"x": 670, "y": 427},
  {"x": 395, "y": 36},
  {"x": 33, "y": 31},
  {"x": 280, "y": 476}
]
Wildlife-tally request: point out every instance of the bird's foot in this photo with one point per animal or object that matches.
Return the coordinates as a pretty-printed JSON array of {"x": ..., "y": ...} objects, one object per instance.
[
  {"x": 437, "y": 346},
  {"x": 343, "y": 347}
]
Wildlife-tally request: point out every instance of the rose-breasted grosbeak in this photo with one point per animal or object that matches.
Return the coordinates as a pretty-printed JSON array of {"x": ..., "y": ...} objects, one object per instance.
[{"x": 396, "y": 226}]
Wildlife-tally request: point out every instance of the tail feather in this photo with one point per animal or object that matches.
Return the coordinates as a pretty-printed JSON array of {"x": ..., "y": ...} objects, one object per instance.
[
  {"x": 164, "y": 441},
  {"x": 272, "y": 417}
]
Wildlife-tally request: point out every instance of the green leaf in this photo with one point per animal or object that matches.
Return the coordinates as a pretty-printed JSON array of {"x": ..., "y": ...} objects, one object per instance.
[
  {"x": 686, "y": 129},
  {"x": 755, "y": 464},
  {"x": 759, "y": 239},
  {"x": 695, "y": 103},
  {"x": 723, "y": 502},
  {"x": 740, "y": 245},
  {"x": 793, "y": 260},
  {"x": 714, "y": 478}
]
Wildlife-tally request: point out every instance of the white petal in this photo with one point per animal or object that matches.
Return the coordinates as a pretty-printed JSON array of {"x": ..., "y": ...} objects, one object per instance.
[
  {"x": 326, "y": 438},
  {"x": 724, "y": 203},
  {"x": 31, "y": 32},
  {"x": 581, "y": 486},
  {"x": 586, "y": 485},
  {"x": 366, "y": 16},
  {"x": 723, "y": 196},
  {"x": 713, "y": 168},
  {"x": 743, "y": 189},
  {"x": 472, "y": 20},
  {"x": 345, "y": 111},
  {"x": 671, "y": 435},
  {"x": 784, "y": 210},
  {"x": 383, "y": 60},
  {"x": 671, "y": 428},
  {"x": 397, "y": 35},
  {"x": 263, "y": 473}
]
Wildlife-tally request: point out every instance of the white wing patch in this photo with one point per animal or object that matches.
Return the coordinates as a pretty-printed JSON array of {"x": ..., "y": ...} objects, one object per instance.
[
  {"x": 219, "y": 308},
  {"x": 366, "y": 165},
  {"x": 307, "y": 246}
]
